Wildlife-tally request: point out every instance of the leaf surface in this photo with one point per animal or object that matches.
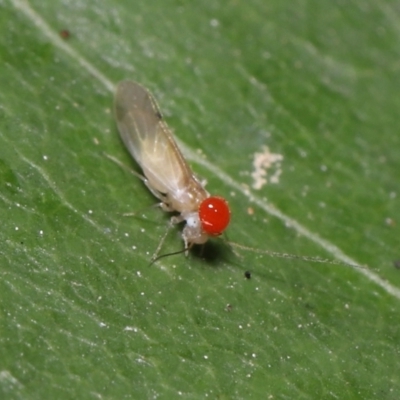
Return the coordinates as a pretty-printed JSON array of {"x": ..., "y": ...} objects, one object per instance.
[{"x": 83, "y": 315}]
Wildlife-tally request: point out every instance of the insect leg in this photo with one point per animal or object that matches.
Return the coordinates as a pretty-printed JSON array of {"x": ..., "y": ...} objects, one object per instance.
[
  {"x": 176, "y": 219},
  {"x": 160, "y": 244},
  {"x": 125, "y": 168}
]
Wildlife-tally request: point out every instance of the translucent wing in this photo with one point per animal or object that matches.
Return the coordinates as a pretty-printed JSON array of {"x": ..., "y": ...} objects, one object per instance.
[{"x": 150, "y": 142}]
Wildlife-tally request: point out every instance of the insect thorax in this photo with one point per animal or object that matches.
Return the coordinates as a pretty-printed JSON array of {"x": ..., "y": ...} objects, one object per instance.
[{"x": 187, "y": 199}]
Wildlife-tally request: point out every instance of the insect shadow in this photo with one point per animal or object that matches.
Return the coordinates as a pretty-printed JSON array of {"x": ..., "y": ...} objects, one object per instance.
[{"x": 212, "y": 252}]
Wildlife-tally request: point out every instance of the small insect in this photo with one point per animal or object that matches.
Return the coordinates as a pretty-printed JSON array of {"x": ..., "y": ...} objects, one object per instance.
[
  {"x": 170, "y": 179},
  {"x": 166, "y": 173}
]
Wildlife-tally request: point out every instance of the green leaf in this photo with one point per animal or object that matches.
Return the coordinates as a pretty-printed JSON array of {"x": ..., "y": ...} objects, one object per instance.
[{"x": 83, "y": 315}]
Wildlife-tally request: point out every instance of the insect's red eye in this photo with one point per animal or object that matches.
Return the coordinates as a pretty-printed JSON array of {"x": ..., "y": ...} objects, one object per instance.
[{"x": 214, "y": 215}]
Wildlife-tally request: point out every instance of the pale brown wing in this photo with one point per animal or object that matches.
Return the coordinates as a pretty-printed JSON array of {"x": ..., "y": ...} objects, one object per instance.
[{"x": 148, "y": 138}]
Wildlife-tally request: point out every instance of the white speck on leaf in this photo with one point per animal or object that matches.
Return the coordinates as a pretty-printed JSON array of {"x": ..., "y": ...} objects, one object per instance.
[
  {"x": 130, "y": 329},
  {"x": 214, "y": 23}
]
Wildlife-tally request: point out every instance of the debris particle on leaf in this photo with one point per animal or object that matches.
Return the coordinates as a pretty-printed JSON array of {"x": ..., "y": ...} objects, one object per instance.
[{"x": 262, "y": 163}]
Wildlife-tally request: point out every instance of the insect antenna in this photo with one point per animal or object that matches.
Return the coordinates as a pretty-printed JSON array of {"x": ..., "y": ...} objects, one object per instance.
[
  {"x": 296, "y": 257},
  {"x": 167, "y": 255}
]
